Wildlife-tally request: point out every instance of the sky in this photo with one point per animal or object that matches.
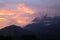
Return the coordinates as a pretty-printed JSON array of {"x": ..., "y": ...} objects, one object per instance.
[{"x": 22, "y": 12}]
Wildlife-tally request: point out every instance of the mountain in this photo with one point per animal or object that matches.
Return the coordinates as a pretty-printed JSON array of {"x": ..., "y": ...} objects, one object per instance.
[
  {"x": 17, "y": 33},
  {"x": 45, "y": 32},
  {"x": 14, "y": 30}
]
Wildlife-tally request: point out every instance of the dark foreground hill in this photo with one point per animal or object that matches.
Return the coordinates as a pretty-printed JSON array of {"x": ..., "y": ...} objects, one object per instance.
[
  {"x": 47, "y": 28},
  {"x": 16, "y": 33},
  {"x": 51, "y": 32}
]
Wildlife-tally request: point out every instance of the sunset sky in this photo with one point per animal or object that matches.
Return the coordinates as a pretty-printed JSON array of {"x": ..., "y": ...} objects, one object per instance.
[{"x": 22, "y": 12}]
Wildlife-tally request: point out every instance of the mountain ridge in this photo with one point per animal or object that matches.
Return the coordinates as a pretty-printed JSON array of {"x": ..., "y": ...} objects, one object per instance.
[{"x": 14, "y": 30}]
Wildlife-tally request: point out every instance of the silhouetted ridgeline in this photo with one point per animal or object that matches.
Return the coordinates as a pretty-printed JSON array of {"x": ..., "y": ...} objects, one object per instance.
[
  {"x": 14, "y": 32},
  {"x": 47, "y": 28}
]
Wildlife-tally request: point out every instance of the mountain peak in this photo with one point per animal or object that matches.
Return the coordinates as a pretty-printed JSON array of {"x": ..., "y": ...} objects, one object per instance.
[
  {"x": 12, "y": 27},
  {"x": 12, "y": 30}
]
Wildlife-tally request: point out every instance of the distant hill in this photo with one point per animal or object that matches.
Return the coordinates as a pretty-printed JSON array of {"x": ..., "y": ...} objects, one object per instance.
[
  {"x": 14, "y": 30},
  {"x": 17, "y": 33},
  {"x": 46, "y": 32}
]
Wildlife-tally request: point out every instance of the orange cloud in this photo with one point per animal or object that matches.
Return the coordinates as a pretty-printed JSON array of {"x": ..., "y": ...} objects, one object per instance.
[
  {"x": 21, "y": 22},
  {"x": 3, "y": 19},
  {"x": 6, "y": 12},
  {"x": 24, "y": 9},
  {"x": 16, "y": 16}
]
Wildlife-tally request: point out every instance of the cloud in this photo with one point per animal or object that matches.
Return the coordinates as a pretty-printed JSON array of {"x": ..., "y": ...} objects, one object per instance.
[
  {"x": 22, "y": 15},
  {"x": 22, "y": 12},
  {"x": 53, "y": 10}
]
